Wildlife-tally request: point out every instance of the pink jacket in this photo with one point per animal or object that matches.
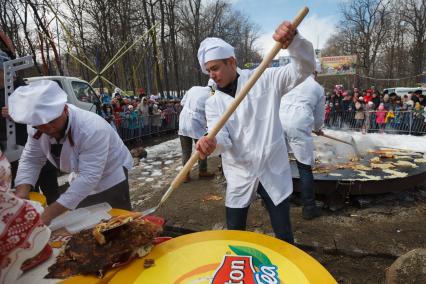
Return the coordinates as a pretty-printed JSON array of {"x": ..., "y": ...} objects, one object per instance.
[{"x": 381, "y": 116}]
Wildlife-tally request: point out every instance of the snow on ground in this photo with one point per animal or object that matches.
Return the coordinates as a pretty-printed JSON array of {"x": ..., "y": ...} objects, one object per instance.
[
  {"x": 168, "y": 149},
  {"x": 160, "y": 164}
]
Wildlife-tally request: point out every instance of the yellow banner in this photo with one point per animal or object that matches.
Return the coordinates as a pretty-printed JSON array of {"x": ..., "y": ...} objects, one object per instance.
[{"x": 336, "y": 65}]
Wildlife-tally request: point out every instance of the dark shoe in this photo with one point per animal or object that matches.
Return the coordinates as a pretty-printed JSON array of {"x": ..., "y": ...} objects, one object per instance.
[
  {"x": 311, "y": 212},
  {"x": 205, "y": 174}
]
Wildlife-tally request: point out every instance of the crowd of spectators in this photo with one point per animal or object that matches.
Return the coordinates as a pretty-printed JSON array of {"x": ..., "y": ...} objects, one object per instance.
[
  {"x": 366, "y": 110},
  {"x": 373, "y": 111},
  {"x": 134, "y": 117}
]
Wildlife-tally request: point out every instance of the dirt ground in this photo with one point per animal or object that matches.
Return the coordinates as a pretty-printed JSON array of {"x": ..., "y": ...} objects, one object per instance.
[{"x": 355, "y": 244}]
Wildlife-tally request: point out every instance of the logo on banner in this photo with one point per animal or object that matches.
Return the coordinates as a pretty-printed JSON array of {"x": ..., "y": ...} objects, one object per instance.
[{"x": 248, "y": 266}]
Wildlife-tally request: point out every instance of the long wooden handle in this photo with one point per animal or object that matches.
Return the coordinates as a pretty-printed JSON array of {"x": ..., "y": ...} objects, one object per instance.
[
  {"x": 241, "y": 95},
  {"x": 337, "y": 139}
]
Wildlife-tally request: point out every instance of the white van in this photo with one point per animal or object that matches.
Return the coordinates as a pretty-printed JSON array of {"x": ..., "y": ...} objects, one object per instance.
[
  {"x": 401, "y": 91},
  {"x": 79, "y": 92}
]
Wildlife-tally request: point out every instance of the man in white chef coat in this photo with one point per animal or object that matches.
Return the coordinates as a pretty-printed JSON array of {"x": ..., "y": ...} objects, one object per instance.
[
  {"x": 193, "y": 124},
  {"x": 74, "y": 140},
  {"x": 254, "y": 154},
  {"x": 301, "y": 113}
]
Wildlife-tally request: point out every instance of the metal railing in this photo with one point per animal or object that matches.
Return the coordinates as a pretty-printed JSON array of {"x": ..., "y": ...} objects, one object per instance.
[
  {"x": 402, "y": 122},
  {"x": 138, "y": 126},
  {"x": 399, "y": 122}
]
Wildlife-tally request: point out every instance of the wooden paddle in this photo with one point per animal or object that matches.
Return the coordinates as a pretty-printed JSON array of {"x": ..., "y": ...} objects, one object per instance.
[{"x": 225, "y": 116}]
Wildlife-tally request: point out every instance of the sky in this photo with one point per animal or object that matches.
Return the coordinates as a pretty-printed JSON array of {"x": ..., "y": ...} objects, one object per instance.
[{"x": 317, "y": 27}]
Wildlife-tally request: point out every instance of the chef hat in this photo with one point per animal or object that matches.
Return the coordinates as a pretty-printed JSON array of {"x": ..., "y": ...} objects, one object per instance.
[
  {"x": 38, "y": 103},
  {"x": 317, "y": 65},
  {"x": 213, "y": 48}
]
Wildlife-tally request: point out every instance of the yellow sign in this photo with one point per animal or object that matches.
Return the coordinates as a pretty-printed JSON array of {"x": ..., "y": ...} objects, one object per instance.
[
  {"x": 335, "y": 65},
  {"x": 225, "y": 257}
]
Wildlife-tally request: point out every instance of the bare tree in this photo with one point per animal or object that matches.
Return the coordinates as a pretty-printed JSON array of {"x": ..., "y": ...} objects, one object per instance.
[
  {"x": 99, "y": 31},
  {"x": 365, "y": 24},
  {"x": 43, "y": 26},
  {"x": 414, "y": 14}
]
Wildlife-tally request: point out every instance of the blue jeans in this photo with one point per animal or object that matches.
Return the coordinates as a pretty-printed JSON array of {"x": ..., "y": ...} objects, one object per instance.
[
  {"x": 306, "y": 184},
  {"x": 236, "y": 218}
]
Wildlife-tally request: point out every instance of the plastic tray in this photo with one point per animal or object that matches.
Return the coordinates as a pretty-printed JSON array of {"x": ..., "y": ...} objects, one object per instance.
[
  {"x": 89, "y": 222},
  {"x": 69, "y": 218},
  {"x": 86, "y": 215}
]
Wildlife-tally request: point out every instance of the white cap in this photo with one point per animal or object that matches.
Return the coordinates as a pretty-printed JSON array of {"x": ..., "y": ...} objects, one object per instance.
[
  {"x": 213, "y": 48},
  {"x": 38, "y": 103},
  {"x": 317, "y": 65}
]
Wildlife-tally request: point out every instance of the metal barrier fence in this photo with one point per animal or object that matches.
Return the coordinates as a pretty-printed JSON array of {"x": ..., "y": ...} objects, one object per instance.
[
  {"x": 136, "y": 127},
  {"x": 401, "y": 122}
]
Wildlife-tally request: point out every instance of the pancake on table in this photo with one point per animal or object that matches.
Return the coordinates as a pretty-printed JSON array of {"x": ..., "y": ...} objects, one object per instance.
[{"x": 109, "y": 244}]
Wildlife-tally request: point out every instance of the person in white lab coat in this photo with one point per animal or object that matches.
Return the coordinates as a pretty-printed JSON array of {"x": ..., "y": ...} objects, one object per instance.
[
  {"x": 193, "y": 124},
  {"x": 254, "y": 154},
  {"x": 301, "y": 113},
  {"x": 75, "y": 141}
]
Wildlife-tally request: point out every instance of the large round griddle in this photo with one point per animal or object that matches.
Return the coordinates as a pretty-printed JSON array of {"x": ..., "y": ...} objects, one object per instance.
[{"x": 350, "y": 182}]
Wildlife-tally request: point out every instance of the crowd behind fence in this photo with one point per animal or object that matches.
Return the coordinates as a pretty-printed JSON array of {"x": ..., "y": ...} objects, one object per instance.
[
  {"x": 371, "y": 112},
  {"x": 136, "y": 127},
  {"x": 400, "y": 122},
  {"x": 397, "y": 122}
]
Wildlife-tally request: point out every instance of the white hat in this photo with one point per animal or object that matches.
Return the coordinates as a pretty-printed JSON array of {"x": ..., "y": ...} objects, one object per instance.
[
  {"x": 213, "y": 48},
  {"x": 317, "y": 65},
  {"x": 38, "y": 103}
]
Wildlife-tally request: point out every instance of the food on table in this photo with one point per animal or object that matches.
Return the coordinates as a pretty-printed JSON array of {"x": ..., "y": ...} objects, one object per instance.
[
  {"x": 148, "y": 263},
  {"x": 388, "y": 154},
  {"x": 362, "y": 168},
  {"x": 382, "y": 166},
  {"x": 348, "y": 165},
  {"x": 403, "y": 157},
  {"x": 405, "y": 164},
  {"x": 321, "y": 169},
  {"x": 394, "y": 174},
  {"x": 375, "y": 160},
  {"x": 108, "y": 245},
  {"x": 366, "y": 176}
]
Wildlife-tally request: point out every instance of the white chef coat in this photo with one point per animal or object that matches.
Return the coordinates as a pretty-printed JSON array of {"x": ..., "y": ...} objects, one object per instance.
[
  {"x": 192, "y": 118},
  {"x": 251, "y": 142},
  {"x": 301, "y": 111},
  {"x": 97, "y": 156}
]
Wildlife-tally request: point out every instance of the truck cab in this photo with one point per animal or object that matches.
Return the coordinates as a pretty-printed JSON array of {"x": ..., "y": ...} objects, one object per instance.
[
  {"x": 401, "y": 91},
  {"x": 79, "y": 92}
]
